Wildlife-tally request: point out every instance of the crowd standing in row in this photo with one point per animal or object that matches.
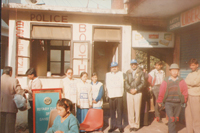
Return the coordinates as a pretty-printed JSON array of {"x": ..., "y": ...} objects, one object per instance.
[{"x": 170, "y": 92}]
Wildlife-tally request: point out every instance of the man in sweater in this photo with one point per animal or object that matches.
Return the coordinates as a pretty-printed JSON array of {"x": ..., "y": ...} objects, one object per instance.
[
  {"x": 134, "y": 84},
  {"x": 115, "y": 89},
  {"x": 192, "y": 110},
  {"x": 173, "y": 93},
  {"x": 156, "y": 77}
]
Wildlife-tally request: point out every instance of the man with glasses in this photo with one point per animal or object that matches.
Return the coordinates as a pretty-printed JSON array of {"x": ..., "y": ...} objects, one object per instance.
[{"x": 134, "y": 83}]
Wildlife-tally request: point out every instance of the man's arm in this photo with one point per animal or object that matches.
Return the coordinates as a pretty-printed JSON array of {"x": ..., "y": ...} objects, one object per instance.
[
  {"x": 162, "y": 92},
  {"x": 18, "y": 88},
  {"x": 142, "y": 83},
  {"x": 184, "y": 89},
  {"x": 126, "y": 83}
]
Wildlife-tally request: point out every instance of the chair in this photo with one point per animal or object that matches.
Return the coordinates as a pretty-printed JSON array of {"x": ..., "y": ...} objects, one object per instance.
[{"x": 93, "y": 120}]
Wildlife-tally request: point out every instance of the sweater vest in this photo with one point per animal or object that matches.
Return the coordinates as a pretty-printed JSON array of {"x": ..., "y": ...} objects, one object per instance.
[
  {"x": 173, "y": 93},
  {"x": 95, "y": 93}
]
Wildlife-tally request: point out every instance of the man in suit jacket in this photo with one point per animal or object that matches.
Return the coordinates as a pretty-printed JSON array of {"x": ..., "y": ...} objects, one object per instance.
[{"x": 9, "y": 87}]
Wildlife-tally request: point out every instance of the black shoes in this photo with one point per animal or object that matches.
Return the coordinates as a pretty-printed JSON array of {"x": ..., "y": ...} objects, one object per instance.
[
  {"x": 121, "y": 130},
  {"x": 112, "y": 129}
]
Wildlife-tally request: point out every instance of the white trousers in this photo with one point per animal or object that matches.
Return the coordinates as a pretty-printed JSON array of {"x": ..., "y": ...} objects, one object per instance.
[{"x": 134, "y": 107}]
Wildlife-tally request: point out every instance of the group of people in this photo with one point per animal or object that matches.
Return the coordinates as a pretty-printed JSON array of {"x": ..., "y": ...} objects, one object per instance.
[{"x": 78, "y": 96}]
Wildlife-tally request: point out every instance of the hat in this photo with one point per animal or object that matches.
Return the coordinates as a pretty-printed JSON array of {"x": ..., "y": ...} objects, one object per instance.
[
  {"x": 133, "y": 61},
  {"x": 174, "y": 66},
  {"x": 113, "y": 64}
]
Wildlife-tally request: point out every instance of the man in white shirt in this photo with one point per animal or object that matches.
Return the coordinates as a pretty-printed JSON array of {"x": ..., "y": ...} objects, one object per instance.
[
  {"x": 115, "y": 89},
  {"x": 34, "y": 83},
  {"x": 156, "y": 77}
]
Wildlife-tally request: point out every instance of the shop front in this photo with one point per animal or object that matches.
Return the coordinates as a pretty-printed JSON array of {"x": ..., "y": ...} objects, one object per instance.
[{"x": 186, "y": 27}]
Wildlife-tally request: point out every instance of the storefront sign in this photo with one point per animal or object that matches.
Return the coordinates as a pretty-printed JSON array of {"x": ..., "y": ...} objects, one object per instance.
[
  {"x": 142, "y": 39},
  {"x": 174, "y": 23},
  {"x": 184, "y": 19},
  {"x": 190, "y": 17},
  {"x": 48, "y": 18},
  {"x": 19, "y": 28}
]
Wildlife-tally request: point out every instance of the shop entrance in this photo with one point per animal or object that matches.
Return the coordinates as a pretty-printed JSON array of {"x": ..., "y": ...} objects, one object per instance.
[{"x": 104, "y": 53}]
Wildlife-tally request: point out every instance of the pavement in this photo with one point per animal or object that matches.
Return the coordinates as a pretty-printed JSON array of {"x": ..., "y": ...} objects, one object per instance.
[{"x": 153, "y": 127}]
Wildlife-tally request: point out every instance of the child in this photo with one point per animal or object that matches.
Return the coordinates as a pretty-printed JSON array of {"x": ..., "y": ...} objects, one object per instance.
[
  {"x": 84, "y": 97},
  {"x": 173, "y": 94},
  {"x": 65, "y": 122},
  {"x": 97, "y": 92}
]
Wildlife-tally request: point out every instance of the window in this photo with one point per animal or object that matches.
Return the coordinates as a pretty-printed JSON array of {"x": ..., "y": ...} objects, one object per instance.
[{"x": 58, "y": 56}]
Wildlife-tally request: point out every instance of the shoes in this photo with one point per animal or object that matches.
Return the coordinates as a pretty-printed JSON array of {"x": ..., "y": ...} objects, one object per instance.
[
  {"x": 121, "y": 130},
  {"x": 131, "y": 129},
  {"x": 135, "y": 129},
  {"x": 158, "y": 120},
  {"x": 112, "y": 129}
]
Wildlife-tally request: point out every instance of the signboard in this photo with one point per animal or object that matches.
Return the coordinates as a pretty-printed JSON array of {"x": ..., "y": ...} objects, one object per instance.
[
  {"x": 184, "y": 19},
  {"x": 143, "y": 39},
  {"x": 44, "y": 100}
]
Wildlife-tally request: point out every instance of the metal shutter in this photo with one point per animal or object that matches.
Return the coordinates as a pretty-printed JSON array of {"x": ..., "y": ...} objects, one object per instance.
[{"x": 189, "y": 47}]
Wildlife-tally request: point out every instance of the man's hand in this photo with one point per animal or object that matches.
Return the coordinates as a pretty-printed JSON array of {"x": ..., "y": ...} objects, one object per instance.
[
  {"x": 90, "y": 106},
  {"x": 133, "y": 91},
  {"x": 159, "y": 104},
  {"x": 94, "y": 101},
  {"x": 26, "y": 90}
]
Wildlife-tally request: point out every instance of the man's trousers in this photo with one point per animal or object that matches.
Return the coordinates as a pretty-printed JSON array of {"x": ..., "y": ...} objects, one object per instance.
[
  {"x": 192, "y": 114},
  {"x": 7, "y": 122},
  {"x": 134, "y": 107},
  {"x": 173, "y": 111},
  {"x": 116, "y": 104}
]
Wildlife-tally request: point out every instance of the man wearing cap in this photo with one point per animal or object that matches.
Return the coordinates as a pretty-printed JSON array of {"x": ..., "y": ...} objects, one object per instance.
[
  {"x": 173, "y": 94},
  {"x": 134, "y": 83},
  {"x": 192, "y": 110},
  {"x": 115, "y": 89},
  {"x": 8, "y": 109}
]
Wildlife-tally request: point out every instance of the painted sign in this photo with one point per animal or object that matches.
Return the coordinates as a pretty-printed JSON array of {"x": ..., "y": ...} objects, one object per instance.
[
  {"x": 48, "y": 18},
  {"x": 143, "y": 39},
  {"x": 80, "y": 57},
  {"x": 44, "y": 101},
  {"x": 191, "y": 16},
  {"x": 174, "y": 23},
  {"x": 23, "y": 53},
  {"x": 184, "y": 19}
]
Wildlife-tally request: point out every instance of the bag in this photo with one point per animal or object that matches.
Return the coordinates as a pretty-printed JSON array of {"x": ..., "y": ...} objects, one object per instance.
[{"x": 20, "y": 102}]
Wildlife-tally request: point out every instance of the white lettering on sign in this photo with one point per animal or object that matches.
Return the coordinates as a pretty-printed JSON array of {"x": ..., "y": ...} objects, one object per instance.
[{"x": 190, "y": 16}]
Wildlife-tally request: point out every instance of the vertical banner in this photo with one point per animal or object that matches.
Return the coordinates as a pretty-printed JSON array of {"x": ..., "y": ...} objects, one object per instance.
[
  {"x": 44, "y": 100},
  {"x": 80, "y": 57}
]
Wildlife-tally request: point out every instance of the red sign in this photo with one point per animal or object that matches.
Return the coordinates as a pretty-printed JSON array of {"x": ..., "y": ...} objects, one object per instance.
[{"x": 190, "y": 16}]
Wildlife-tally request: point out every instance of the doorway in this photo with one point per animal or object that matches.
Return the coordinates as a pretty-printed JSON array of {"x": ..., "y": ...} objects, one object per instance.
[{"x": 104, "y": 53}]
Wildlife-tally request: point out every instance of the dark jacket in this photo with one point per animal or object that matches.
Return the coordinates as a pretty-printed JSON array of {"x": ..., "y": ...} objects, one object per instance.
[{"x": 138, "y": 82}]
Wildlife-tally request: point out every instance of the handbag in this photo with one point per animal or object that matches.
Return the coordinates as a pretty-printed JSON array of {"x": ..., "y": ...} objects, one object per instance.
[{"x": 20, "y": 102}]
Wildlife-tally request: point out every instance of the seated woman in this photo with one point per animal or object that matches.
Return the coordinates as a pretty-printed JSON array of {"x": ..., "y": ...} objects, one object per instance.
[{"x": 65, "y": 122}]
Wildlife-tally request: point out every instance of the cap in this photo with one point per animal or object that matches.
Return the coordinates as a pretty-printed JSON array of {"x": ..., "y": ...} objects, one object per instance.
[
  {"x": 113, "y": 64},
  {"x": 133, "y": 61},
  {"x": 174, "y": 66}
]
